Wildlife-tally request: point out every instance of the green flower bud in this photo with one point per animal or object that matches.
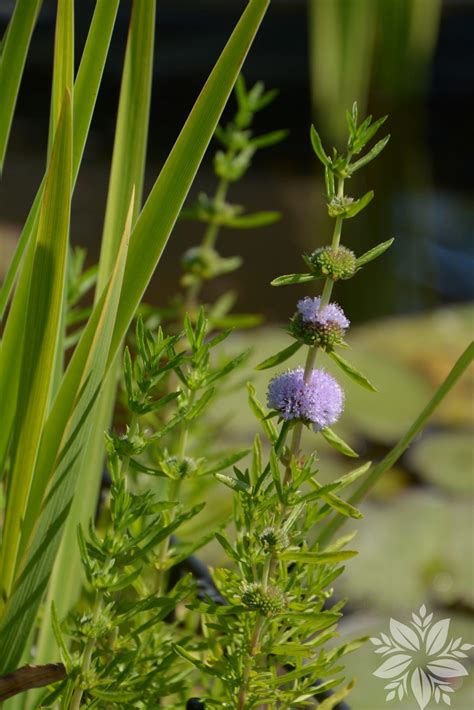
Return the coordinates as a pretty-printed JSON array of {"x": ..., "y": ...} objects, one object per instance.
[
  {"x": 274, "y": 539},
  {"x": 267, "y": 602},
  {"x": 339, "y": 205},
  {"x": 334, "y": 264}
]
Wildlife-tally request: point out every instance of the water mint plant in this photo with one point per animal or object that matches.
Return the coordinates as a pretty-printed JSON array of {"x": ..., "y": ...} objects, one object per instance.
[{"x": 105, "y": 601}]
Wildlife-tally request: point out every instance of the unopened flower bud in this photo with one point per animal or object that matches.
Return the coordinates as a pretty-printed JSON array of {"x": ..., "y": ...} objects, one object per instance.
[
  {"x": 334, "y": 264},
  {"x": 274, "y": 539},
  {"x": 314, "y": 325},
  {"x": 268, "y": 602},
  {"x": 339, "y": 205}
]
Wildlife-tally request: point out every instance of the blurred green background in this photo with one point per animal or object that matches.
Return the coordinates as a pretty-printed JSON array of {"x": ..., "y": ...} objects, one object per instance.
[{"x": 412, "y": 59}]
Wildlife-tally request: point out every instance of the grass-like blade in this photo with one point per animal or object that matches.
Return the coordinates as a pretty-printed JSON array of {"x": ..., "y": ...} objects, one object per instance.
[
  {"x": 65, "y": 436},
  {"x": 86, "y": 89},
  {"x": 128, "y": 167},
  {"x": 42, "y": 321},
  {"x": 164, "y": 203},
  {"x": 12, "y": 63}
]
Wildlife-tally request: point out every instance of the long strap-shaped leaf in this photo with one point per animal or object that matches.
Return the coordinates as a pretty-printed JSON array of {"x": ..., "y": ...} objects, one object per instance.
[
  {"x": 42, "y": 320},
  {"x": 78, "y": 393},
  {"x": 63, "y": 75},
  {"x": 86, "y": 89},
  {"x": 162, "y": 208},
  {"x": 128, "y": 168},
  {"x": 150, "y": 236},
  {"x": 85, "y": 94},
  {"x": 12, "y": 63}
]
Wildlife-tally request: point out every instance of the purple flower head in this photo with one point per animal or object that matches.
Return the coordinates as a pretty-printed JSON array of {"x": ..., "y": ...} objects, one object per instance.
[
  {"x": 319, "y": 401},
  {"x": 311, "y": 312}
]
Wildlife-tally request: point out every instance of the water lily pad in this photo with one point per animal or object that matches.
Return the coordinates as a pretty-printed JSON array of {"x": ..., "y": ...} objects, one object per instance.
[
  {"x": 418, "y": 547},
  {"x": 447, "y": 460},
  {"x": 369, "y": 693}
]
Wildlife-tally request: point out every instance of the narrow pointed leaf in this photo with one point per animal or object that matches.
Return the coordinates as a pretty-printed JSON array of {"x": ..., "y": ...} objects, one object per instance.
[
  {"x": 290, "y": 279},
  {"x": 65, "y": 435},
  {"x": 359, "y": 205},
  {"x": 63, "y": 75},
  {"x": 85, "y": 94},
  {"x": 352, "y": 372},
  {"x": 374, "y": 253},
  {"x": 337, "y": 443},
  {"x": 280, "y": 357},
  {"x": 318, "y": 147},
  {"x": 251, "y": 221},
  {"x": 12, "y": 63},
  {"x": 42, "y": 322},
  {"x": 376, "y": 150},
  {"x": 317, "y": 558},
  {"x": 162, "y": 208}
]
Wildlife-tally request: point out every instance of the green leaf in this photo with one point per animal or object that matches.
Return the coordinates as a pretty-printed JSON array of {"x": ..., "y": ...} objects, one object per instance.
[
  {"x": 373, "y": 253},
  {"x": 280, "y": 356},
  {"x": 86, "y": 89},
  {"x": 164, "y": 203},
  {"x": 228, "y": 367},
  {"x": 359, "y": 205},
  {"x": 225, "y": 462},
  {"x": 63, "y": 63},
  {"x": 65, "y": 433},
  {"x": 250, "y": 221},
  {"x": 373, "y": 153},
  {"x": 232, "y": 483},
  {"x": 12, "y": 63},
  {"x": 317, "y": 558},
  {"x": 42, "y": 325},
  {"x": 269, "y": 139},
  {"x": 318, "y": 147},
  {"x": 226, "y": 546},
  {"x": 200, "y": 405},
  {"x": 131, "y": 134},
  {"x": 275, "y": 471},
  {"x": 352, "y": 372},
  {"x": 261, "y": 414},
  {"x": 337, "y": 443},
  {"x": 289, "y": 279},
  {"x": 334, "y": 700}
]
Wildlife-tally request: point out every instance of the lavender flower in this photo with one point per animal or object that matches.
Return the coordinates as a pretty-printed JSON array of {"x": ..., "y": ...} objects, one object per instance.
[
  {"x": 314, "y": 325},
  {"x": 319, "y": 401}
]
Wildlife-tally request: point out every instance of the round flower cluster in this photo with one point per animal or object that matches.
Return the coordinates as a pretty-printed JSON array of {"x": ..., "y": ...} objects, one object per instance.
[
  {"x": 319, "y": 401},
  {"x": 314, "y": 325},
  {"x": 332, "y": 263},
  {"x": 267, "y": 601}
]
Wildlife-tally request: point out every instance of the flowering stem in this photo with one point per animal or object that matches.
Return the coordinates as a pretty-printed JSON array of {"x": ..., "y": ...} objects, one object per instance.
[
  {"x": 208, "y": 242},
  {"x": 254, "y": 645},
  {"x": 312, "y": 351},
  {"x": 173, "y": 495}
]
